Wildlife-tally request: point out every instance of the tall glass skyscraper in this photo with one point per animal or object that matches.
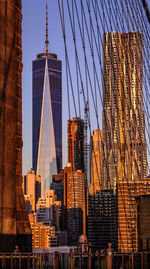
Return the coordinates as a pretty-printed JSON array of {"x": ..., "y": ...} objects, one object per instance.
[{"x": 47, "y": 116}]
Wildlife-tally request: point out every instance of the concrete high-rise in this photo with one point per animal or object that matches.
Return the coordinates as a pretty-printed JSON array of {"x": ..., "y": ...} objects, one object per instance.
[
  {"x": 49, "y": 209},
  {"x": 123, "y": 115},
  {"x": 47, "y": 116},
  {"x": 96, "y": 162},
  {"x": 74, "y": 203},
  {"x": 32, "y": 187},
  {"x": 75, "y": 183},
  {"x": 76, "y": 143},
  {"x": 14, "y": 223}
]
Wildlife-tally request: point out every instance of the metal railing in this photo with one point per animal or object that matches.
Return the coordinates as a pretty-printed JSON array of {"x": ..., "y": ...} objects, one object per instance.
[
  {"x": 19, "y": 260},
  {"x": 72, "y": 260}
]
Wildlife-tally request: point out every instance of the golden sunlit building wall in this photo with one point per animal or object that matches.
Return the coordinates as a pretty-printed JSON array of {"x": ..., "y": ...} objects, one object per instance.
[
  {"x": 32, "y": 186},
  {"x": 125, "y": 152},
  {"x": 123, "y": 114},
  {"x": 127, "y": 213},
  {"x": 43, "y": 236},
  {"x": 96, "y": 162}
]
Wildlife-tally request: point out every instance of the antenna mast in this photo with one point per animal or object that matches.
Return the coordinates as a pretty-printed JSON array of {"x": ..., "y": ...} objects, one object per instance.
[{"x": 46, "y": 41}]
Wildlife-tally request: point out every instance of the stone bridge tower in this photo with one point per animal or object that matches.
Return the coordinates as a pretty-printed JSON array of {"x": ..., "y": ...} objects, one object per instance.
[{"x": 14, "y": 224}]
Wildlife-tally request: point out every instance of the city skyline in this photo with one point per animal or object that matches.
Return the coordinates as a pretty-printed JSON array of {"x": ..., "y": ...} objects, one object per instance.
[
  {"x": 35, "y": 32},
  {"x": 106, "y": 107},
  {"x": 92, "y": 194}
]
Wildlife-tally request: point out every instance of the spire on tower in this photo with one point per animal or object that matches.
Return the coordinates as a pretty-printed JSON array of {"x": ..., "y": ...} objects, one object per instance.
[{"x": 46, "y": 41}]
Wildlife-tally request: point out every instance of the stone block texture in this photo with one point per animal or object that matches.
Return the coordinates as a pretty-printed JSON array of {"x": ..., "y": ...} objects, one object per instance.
[{"x": 14, "y": 224}]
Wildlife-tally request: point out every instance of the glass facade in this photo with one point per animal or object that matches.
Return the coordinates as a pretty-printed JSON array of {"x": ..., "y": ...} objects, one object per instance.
[{"x": 47, "y": 118}]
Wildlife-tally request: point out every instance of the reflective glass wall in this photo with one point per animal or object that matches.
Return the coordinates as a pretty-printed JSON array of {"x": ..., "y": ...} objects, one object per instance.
[{"x": 47, "y": 118}]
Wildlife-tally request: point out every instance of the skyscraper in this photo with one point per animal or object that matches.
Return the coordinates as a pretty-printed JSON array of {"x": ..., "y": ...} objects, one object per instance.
[
  {"x": 102, "y": 219},
  {"x": 76, "y": 143},
  {"x": 47, "y": 115},
  {"x": 75, "y": 183},
  {"x": 123, "y": 116},
  {"x": 96, "y": 162},
  {"x": 74, "y": 203},
  {"x": 14, "y": 223}
]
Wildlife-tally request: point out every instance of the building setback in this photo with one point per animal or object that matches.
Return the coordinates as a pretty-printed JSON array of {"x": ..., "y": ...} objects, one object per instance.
[
  {"x": 14, "y": 223},
  {"x": 32, "y": 187},
  {"x": 74, "y": 204},
  {"x": 49, "y": 210}
]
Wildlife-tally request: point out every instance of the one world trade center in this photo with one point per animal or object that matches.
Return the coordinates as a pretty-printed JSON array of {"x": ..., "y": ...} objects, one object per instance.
[{"x": 47, "y": 115}]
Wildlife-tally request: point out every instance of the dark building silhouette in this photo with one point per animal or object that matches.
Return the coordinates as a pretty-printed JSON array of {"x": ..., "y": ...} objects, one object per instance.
[
  {"x": 47, "y": 116},
  {"x": 76, "y": 143},
  {"x": 58, "y": 186},
  {"x": 14, "y": 224},
  {"x": 102, "y": 219},
  {"x": 75, "y": 183}
]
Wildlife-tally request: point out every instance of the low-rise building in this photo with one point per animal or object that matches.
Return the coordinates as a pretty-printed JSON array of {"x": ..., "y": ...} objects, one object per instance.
[
  {"x": 49, "y": 209},
  {"x": 31, "y": 185},
  {"x": 43, "y": 236}
]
